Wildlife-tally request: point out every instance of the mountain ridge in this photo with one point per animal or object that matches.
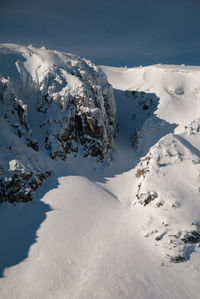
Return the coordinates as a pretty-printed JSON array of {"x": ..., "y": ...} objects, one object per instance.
[{"x": 125, "y": 227}]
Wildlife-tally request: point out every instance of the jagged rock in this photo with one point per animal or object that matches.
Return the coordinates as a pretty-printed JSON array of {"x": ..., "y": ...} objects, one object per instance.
[
  {"x": 19, "y": 186},
  {"x": 145, "y": 198},
  {"x": 52, "y": 102},
  {"x": 191, "y": 237},
  {"x": 177, "y": 259},
  {"x": 82, "y": 118},
  {"x": 33, "y": 144}
]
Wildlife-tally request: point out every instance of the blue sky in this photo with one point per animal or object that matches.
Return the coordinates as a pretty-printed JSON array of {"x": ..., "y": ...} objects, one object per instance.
[{"x": 108, "y": 32}]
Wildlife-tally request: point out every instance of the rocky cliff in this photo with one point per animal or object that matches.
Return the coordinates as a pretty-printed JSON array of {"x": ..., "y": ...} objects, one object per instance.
[{"x": 51, "y": 104}]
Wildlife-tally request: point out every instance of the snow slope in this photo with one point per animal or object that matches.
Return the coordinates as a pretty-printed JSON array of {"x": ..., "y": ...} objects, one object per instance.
[
  {"x": 83, "y": 235},
  {"x": 166, "y": 189},
  {"x": 89, "y": 246}
]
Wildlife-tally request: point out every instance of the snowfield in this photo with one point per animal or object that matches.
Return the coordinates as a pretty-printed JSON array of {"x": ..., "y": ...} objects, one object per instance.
[
  {"x": 89, "y": 246},
  {"x": 127, "y": 230}
]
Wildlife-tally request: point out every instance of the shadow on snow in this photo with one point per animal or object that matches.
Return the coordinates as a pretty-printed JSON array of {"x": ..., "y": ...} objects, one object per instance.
[
  {"x": 19, "y": 225},
  {"x": 139, "y": 129}
]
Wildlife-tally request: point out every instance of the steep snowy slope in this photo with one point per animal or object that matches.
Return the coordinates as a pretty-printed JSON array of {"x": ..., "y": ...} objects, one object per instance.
[
  {"x": 51, "y": 104},
  {"x": 166, "y": 189},
  {"x": 103, "y": 232}
]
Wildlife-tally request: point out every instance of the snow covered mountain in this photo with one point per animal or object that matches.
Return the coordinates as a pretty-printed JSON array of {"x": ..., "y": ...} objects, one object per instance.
[
  {"x": 52, "y": 104},
  {"x": 127, "y": 227},
  {"x": 167, "y": 141}
]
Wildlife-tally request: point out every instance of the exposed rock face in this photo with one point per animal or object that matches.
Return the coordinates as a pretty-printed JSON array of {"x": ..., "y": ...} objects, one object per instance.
[
  {"x": 50, "y": 102},
  {"x": 18, "y": 186},
  {"x": 81, "y": 116}
]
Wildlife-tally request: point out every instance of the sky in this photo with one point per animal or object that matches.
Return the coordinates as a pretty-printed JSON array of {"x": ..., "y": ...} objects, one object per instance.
[{"x": 109, "y": 32}]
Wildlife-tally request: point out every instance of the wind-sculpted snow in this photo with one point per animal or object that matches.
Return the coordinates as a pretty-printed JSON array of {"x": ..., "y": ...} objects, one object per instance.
[{"x": 52, "y": 103}]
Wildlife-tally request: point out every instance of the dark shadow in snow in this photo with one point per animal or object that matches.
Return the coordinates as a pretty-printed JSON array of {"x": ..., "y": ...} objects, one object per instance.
[
  {"x": 164, "y": 164},
  {"x": 19, "y": 225},
  {"x": 107, "y": 191},
  {"x": 189, "y": 250},
  {"x": 139, "y": 129},
  {"x": 188, "y": 145}
]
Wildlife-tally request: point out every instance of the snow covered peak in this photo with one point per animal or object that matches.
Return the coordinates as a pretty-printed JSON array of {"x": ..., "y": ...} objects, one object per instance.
[{"x": 55, "y": 103}]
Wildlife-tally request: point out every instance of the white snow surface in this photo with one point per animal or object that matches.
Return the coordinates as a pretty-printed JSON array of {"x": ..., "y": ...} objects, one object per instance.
[
  {"x": 177, "y": 87},
  {"x": 167, "y": 185},
  {"x": 83, "y": 234}
]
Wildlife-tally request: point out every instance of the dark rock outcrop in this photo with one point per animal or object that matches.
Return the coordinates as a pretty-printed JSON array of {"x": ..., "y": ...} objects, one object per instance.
[{"x": 53, "y": 104}]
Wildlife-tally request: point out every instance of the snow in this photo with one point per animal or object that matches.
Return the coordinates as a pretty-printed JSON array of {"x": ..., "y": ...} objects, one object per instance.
[
  {"x": 167, "y": 144},
  {"x": 85, "y": 234},
  {"x": 89, "y": 247},
  {"x": 177, "y": 87},
  {"x": 50, "y": 87},
  {"x": 52, "y": 103}
]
